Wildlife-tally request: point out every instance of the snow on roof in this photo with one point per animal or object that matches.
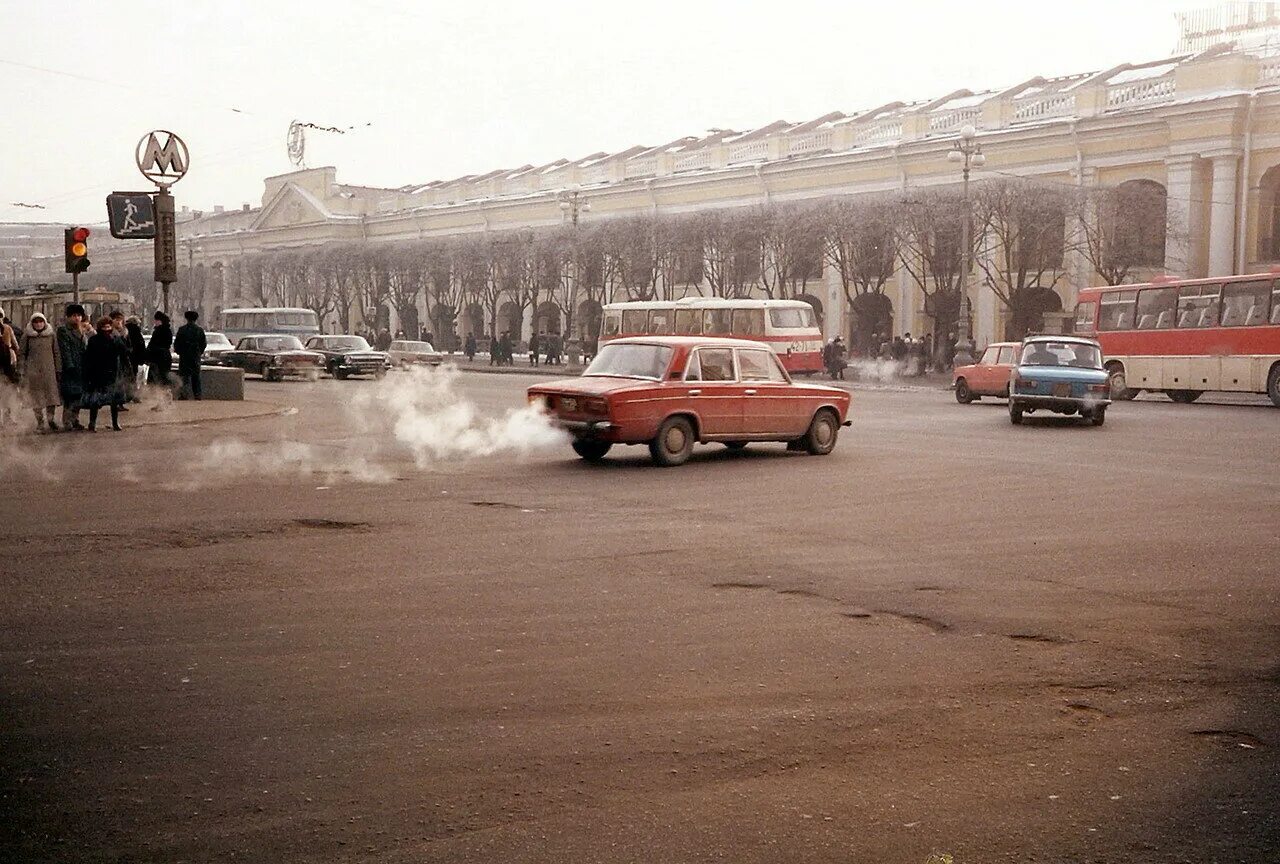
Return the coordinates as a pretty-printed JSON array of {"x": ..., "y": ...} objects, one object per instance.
[{"x": 1142, "y": 73}]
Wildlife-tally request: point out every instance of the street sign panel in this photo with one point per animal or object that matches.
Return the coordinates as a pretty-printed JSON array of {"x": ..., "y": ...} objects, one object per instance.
[
  {"x": 163, "y": 164},
  {"x": 166, "y": 257},
  {"x": 131, "y": 215}
]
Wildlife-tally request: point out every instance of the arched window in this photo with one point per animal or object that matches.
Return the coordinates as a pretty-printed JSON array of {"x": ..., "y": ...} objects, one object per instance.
[
  {"x": 1134, "y": 221},
  {"x": 1269, "y": 215}
]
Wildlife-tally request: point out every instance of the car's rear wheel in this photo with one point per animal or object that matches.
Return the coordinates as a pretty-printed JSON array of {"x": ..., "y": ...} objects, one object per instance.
[
  {"x": 963, "y": 394},
  {"x": 1098, "y": 416},
  {"x": 735, "y": 445},
  {"x": 673, "y": 443},
  {"x": 823, "y": 432},
  {"x": 1184, "y": 397},
  {"x": 1015, "y": 413},
  {"x": 1273, "y": 385},
  {"x": 592, "y": 451}
]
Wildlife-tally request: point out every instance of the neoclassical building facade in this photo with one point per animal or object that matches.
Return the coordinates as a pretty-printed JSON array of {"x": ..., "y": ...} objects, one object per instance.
[{"x": 1204, "y": 127}]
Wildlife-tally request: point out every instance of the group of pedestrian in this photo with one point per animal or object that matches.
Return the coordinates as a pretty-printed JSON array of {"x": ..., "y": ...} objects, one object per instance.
[
  {"x": 501, "y": 351},
  {"x": 835, "y": 358},
  {"x": 915, "y": 356},
  {"x": 81, "y": 365}
]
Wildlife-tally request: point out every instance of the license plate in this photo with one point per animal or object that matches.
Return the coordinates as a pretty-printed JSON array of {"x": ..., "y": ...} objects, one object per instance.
[
  {"x": 1061, "y": 390},
  {"x": 569, "y": 404}
]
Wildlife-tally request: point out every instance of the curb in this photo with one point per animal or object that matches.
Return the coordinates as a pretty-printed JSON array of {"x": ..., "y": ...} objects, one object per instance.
[{"x": 265, "y": 409}]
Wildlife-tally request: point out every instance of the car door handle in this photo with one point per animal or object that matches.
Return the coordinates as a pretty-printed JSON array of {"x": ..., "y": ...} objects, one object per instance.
[
  {"x": 695, "y": 392},
  {"x": 749, "y": 392}
]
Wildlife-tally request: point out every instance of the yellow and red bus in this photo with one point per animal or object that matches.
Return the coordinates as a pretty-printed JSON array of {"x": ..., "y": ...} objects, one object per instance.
[
  {"x": 1184, "y": 337},
  {"x": 50, "y": 302},
  {"x": 789, "y": 327}
]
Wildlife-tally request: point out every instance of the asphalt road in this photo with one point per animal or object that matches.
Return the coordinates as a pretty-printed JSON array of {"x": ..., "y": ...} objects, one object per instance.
[{"x": 1051, "y": 642}]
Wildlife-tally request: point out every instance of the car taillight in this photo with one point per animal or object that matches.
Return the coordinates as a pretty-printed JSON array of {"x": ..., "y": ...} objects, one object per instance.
[
  {"x": 596, "y": 406},
  {"x": 1027, "y": 384},
  {"x": 1105, "y": 387}
]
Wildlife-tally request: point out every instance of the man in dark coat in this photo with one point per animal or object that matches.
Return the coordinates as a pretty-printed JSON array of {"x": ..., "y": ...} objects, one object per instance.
[
  {"x": 71, "y": 344},
  {"x": 159, "y": 358},
  {"x": 190, "y": 344}
]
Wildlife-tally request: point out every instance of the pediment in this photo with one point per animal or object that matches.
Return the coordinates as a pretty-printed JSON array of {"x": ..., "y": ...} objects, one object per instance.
[{"x": 291, "y": 206}]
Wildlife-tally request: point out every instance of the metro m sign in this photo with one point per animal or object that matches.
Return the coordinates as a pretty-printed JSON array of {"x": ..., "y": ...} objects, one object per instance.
[{"x": 162, "y": 163}]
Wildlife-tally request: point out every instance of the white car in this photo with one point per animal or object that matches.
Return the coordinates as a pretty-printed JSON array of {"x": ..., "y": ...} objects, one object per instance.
[{"x": 406, "y": 353}]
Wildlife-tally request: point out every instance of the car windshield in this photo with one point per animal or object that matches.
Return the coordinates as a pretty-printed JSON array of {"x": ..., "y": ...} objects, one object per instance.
[
  {"x": 424, "y": 347},
  {"x": 279, "y": 343},
  {"x": 631, "y": 361},
  {"x": 1077, "y": 354},
  {"x": 353, "y": 343},
  {"x": 216, "y": 340}
]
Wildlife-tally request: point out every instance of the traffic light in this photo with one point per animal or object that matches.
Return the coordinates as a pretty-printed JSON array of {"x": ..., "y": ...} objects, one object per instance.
[{"x": 76, "y": 247}]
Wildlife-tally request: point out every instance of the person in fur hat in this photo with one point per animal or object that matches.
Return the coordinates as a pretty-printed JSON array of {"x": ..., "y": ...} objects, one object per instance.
[{"x": 41, "y": 369}]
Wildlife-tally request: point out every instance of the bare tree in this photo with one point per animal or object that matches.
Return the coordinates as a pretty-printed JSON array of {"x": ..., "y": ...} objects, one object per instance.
[
  {"x": 677, "y": 255},
  {"x": 1023, "y": 228},
  {"x": 862, "y": 243},
  {"x": 930, "y": 227},
  {"x": 1121, "y": 229}
]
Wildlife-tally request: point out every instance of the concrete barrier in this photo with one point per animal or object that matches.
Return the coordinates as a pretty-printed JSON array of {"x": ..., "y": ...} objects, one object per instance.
[{"x": 222, "y": 383}]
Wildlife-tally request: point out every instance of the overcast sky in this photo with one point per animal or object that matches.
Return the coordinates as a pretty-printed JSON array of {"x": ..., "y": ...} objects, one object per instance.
[{"x": 440, "y": 89}]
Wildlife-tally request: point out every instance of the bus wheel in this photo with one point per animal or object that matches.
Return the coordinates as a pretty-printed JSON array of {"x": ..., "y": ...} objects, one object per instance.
[
  {"x": 1273, "y": 385},
  {"x": 1184, "y": 397},
  {"x": 963, "y": 394},
  {"x": 1119, "y": 387}
]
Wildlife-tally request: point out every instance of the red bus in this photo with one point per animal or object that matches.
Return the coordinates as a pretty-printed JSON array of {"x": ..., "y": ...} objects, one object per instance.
[
  {"x": 789, "y": 327},
  {"x": 1183, "y": 337}
]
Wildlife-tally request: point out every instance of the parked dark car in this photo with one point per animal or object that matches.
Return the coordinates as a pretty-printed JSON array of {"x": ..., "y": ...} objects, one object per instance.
[
  {"x": 345, "y": 356},
  {"x": 274, "y": 358}
]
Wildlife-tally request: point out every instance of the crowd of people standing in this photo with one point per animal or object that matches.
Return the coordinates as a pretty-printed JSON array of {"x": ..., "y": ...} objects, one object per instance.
[{"x": 81, "y": 365}]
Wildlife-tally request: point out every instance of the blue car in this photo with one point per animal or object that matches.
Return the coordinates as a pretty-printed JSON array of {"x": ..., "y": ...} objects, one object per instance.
[{"x": 1062, "y": 374}]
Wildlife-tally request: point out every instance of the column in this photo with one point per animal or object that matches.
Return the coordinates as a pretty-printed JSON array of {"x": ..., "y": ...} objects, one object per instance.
[
  {"x": 1222, "y": 215},
  {"x": 1077, "y": 224},
  {"x": 1185, "y": 216},
  {"x": 910, "y": 294},
  {"x": 835, "y": 320}
]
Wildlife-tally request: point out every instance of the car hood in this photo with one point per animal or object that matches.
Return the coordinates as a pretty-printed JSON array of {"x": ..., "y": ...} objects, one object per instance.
[
  {"x": 293, "y": 352},
  {"x": 593, "y": 386},
  {"x": 363, "y": 355},
  {"x": 1062, "y": 373}
]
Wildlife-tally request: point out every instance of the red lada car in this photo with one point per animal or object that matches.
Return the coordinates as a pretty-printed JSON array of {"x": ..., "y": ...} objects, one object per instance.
[
  {"x": 989, "y": 376},
  {"x": 672, "y": 391}
]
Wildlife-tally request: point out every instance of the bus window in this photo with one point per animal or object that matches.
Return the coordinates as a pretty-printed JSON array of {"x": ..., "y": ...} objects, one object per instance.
[
  {"x": 1275, "y": 303},
  {"x": 718, "y": 322},
  {"x": 1244, "y": 304},
  {"x": 1085, "y": 310},
  {"x": 635, "y": 320},
  {"x": 748, "y": 322},
  {"x": 234, "y": 321},
  {"x": 788, "y": 318},
  {"x": 260, "y": 321},
  {"x": 612, "y": 323},
  {"x": 688, "y": 322},
  {"x": 1117, "y": 311},
  {"x": 1156, "y": 308},
  {"x": 1198, "y": 306},
  {"x": 660, "y": 322}
]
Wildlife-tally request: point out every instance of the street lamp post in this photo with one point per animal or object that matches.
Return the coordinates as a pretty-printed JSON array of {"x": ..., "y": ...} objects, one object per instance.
[
  {"x": 572, "y": 205},
  {"x": 967, "y": 153}
]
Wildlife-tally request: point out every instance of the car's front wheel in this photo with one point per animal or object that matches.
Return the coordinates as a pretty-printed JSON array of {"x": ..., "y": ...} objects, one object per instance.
[
  {"x": 340, "y": 374},
  {"x": 823, "y": 432},
  {"x": 673, "y": 443},
  {"x": 592, "y": 451},
  {"x": 1015, "y": 413},
  {"x": 963, "y": 394}
]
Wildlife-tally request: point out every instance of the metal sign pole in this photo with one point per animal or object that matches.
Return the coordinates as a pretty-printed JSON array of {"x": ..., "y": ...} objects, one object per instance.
[
  {"x": 166, "y": 246},
  {"x": 75, "y": 287}
]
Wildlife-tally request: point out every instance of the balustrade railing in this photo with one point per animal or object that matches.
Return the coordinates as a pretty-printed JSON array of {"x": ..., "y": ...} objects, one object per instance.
[
  {"x": 946, "y": 121},
  {"x": 695, "y": 159},
  {"x": 810, "y": 142},
  {"x": 749, "y": 151},
  {"x": 1044, "y": 107},
  {"x": 1149, "y": 91},
  {"x": 882, "y": 132}
]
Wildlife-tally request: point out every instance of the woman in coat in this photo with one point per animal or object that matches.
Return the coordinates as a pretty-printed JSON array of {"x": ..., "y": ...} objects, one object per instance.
[
  {"x": 137, "y": 356},
  {"x": 159, "y": 360},
  {"x": 41, "y": 368},
  {"x": 105, "y": 360}
]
